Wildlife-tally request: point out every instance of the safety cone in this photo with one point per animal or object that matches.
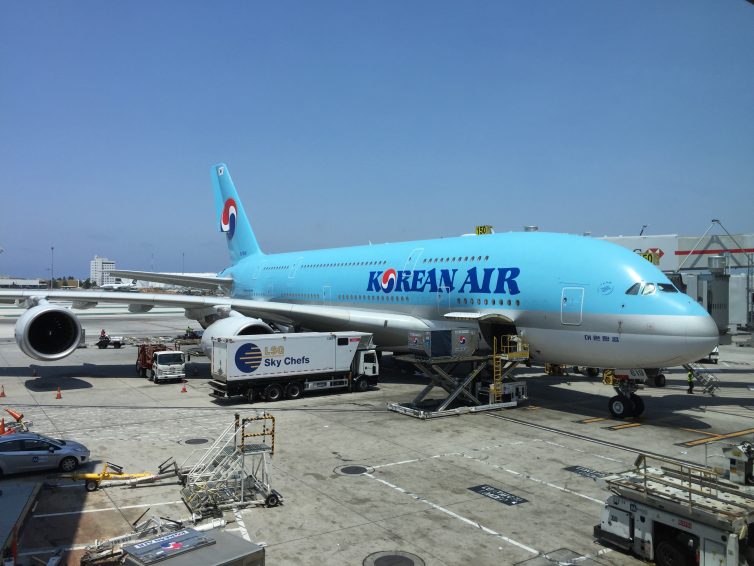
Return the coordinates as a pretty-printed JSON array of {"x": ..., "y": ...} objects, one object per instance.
[
  {"x": 14, "y": 414},
  {"x": 2, "y": 390},
  {"x": 59, "y": 395},
  {"x": 183, "y": 389},
  {"x": 2, "y": 427}
]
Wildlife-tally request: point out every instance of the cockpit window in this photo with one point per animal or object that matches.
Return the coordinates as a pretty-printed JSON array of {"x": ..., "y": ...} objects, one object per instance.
[
  {"x": 648, "y": 289},
  {"x": 634, "y": 289},
  {"x": 667, "y": 288}
]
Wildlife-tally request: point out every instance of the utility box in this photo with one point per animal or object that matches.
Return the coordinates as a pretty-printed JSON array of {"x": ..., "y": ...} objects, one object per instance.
[
  {"x": 189, "y": 547},
  {"x": 741, "y": 463},
  {"x": 438, "y": 343}
]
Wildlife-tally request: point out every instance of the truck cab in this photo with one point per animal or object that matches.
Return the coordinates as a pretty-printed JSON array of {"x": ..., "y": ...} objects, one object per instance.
[{"x": 167, "y": 365}]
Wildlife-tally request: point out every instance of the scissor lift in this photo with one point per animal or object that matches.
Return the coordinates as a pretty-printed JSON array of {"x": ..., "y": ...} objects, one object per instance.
[{"x": 467, "y": 394}]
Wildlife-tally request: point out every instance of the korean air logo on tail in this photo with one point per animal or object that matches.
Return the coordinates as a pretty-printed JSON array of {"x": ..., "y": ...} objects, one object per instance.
[{"x": 228, "y": 219}]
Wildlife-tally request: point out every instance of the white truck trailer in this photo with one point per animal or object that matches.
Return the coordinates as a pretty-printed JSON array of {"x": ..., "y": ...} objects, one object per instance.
[
  {"x": 274, "y": 366},
  {"x": 679, "y": 515}
]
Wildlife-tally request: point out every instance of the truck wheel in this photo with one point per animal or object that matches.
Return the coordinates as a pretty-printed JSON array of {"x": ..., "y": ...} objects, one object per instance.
[
  {"x": 101, "y": 346},
  {"x": 116, "y": 345},
  {"x": 620, "y": 407},
  {"x": 361, "y": 384},
  {"x": 660, "y": 380},
  {"x": 668, "y": 554},
  {"x": 273, "y": 393},
  {"x": 250, "y": 395},
  {"x": 293, "y": 390}
]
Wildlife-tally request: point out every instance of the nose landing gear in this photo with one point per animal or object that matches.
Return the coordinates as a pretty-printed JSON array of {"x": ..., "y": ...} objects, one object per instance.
[{"x": 626, "y": 403}]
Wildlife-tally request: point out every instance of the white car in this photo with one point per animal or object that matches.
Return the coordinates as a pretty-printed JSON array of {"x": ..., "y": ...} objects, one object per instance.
[{"x": 29, "y": 452}]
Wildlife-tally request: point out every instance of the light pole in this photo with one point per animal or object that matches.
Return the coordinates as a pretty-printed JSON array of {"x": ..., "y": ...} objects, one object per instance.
[
  {"x": 52, "y": 267},
  {"x": 183, "y": 262}
]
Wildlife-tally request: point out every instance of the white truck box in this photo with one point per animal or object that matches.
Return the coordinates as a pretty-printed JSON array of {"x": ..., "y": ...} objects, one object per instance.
[{"x": 273, "y": 365}]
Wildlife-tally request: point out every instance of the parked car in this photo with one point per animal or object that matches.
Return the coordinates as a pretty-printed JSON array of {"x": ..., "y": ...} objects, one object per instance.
[{"x": 29, "y": 452}]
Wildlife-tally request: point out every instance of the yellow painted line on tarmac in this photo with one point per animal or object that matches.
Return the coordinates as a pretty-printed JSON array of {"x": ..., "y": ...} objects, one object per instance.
[
  {"x": 700, "y": 441},
  {"x": 622, "y": 426},
  {"x": 593, "y": 420},
  {"x": 699, "y": 431}
]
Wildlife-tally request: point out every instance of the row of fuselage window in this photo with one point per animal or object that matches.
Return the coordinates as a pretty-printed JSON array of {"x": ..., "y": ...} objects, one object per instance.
[
  {"x": 375, "y": 262},
  {"x": 398, "y": 299}
]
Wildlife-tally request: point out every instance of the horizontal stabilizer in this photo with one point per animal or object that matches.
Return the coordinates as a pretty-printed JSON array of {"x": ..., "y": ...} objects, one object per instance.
[{"x": 195, "y": 280}]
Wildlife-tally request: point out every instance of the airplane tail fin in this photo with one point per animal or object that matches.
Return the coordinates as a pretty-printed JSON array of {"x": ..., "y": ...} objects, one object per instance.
[{"x": 231, "y": 217}]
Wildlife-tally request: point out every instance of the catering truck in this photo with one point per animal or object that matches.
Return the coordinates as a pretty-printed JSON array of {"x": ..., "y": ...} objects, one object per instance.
[{"x": 274, "y": 366}]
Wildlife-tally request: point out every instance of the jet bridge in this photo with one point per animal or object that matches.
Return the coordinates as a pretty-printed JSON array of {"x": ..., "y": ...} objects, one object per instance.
[{"x": 474, "y": 391}]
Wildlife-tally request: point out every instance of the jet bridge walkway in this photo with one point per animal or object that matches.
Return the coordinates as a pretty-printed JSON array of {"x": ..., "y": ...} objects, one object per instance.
[{"x": 472, "y": 392}]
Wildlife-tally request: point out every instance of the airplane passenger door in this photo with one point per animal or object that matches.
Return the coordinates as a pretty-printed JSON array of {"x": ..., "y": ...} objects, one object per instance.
[
  {"x": 413, "y": 259},
  {"x": 571, "y": 305},
  {"x": 443, "y": 300},
  {"x": 295, "y": 267},
  {"x": 326, "y": 295}
]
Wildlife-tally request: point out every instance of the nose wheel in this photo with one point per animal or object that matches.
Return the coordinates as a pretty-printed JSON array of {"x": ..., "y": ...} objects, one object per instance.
[{"x": 623, "y": 407}]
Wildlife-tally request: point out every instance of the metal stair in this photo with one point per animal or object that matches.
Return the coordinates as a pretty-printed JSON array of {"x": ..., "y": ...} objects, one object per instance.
[
  {"x": 708, "y": 381},
  {"x": 233, "y": 473}
]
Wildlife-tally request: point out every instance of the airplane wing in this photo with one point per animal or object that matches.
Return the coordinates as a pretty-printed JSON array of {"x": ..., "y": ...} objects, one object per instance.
[
  {"x": 284, "y": 313},
  {"x": 188, "y": 280}
]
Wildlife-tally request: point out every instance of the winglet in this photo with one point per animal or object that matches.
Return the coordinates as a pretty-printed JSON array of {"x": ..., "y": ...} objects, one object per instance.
[{"x": 231, "y": 217}]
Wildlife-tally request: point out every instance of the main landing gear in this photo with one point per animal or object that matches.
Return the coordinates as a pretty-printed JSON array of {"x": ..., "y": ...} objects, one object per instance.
[{"x": 626, "y": 403}]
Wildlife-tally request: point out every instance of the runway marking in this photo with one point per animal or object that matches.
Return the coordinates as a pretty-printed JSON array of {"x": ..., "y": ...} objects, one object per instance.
[
  {"x": 496, "y": 466},
  {"x": 81, "y": 512},
  {"x": 622, "y": 426},
  {"x": 699, "y": 431},
  {"x": 536, "y": 480},
  {"x": 700, "y": 441},
  {"x": 457, "y": 516},
  {"x": 592, "y": 420}
]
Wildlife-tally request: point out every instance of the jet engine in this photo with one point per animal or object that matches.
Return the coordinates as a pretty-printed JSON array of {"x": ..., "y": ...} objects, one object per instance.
[
  {"x": 233, "y": 326},
  {"x": 48, "y": 332}
]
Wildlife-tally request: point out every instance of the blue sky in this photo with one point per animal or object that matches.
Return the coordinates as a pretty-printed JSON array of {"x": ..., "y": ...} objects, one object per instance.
[{"x": 348, "y": 122}]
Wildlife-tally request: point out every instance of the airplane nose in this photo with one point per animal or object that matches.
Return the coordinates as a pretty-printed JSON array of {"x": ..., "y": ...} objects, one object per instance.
[{"x": 701, "y": 336}]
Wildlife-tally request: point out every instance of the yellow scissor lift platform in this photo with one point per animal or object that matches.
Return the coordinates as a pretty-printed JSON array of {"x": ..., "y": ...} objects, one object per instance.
[{"x": 466, "y": 393}]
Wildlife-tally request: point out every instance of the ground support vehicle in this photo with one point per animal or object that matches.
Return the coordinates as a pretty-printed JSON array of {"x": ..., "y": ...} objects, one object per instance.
[
  {"x": 113, "y": 475},
  {"x": 105, "y": 341},
  {"x": 477, "y": 390},
  {"x": 274, "y": 366},
  {"x": 678, "y": 514},
  {"x": 157, "y": 363}
]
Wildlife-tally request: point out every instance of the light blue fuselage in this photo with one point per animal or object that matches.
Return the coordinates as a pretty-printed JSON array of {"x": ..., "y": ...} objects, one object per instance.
[{"x": 567, "y": 295}]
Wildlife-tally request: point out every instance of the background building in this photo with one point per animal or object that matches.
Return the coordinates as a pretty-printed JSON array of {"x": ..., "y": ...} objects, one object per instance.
[{"x": 99, "y": 271}]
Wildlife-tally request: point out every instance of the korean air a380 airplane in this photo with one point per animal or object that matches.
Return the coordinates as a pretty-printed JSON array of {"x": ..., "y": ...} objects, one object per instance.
[{"x": 575, "y": 300}]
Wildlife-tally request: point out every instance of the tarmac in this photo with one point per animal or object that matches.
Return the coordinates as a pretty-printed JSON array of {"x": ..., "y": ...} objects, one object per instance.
[{"x": 515, "y": 486}]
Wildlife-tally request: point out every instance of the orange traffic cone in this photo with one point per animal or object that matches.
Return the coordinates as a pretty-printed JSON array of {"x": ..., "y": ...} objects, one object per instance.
[
  {"x": 183, "y": 389},
  {"x": 14, "y": 414},
  {"x": 2, "y": 427},
  {"x": 59, "y": 395},
  {"x": 2, "y": 390}
]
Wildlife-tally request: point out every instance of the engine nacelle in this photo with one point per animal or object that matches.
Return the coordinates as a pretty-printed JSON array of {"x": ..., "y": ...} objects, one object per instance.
[
  {"x": 233, "y": 326},
  {"x": 48, "y": 333}
]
